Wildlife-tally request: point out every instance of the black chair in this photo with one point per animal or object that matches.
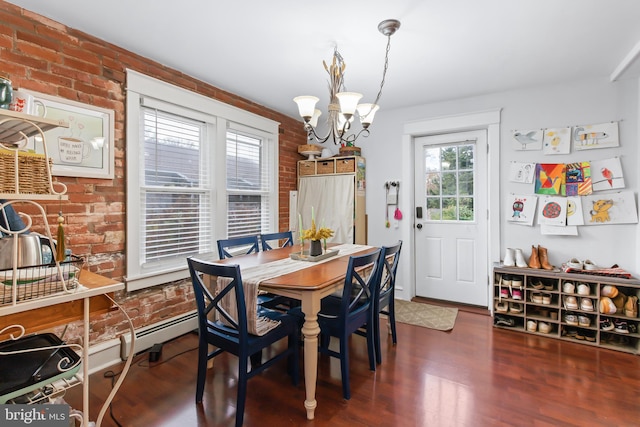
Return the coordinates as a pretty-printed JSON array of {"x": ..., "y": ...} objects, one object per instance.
[
  {"x": 236, "y": 339},
  {"x": 243, "y": 245},
  {"x": 340, "y": 317},
  {"x": 385, "y": 303},
  {"x": 286, "y": 236}
]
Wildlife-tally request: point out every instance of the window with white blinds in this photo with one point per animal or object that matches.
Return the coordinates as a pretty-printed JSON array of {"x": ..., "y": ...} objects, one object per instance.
[
  {"x": 198, "y": 170},
  {"x": 248, "y": 181},
  {"x": 175, "y": 192}
]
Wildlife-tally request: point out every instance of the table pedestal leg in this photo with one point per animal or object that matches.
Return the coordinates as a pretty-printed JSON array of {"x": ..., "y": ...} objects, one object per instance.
[{"x": 310, "y": 330}]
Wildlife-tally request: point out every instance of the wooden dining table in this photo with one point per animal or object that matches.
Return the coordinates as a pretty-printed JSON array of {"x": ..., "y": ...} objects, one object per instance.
[{"x": 309, "y": 285}]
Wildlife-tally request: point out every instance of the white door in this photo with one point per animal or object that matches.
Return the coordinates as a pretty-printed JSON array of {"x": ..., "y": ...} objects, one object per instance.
[{"x": 451, "y": 217}]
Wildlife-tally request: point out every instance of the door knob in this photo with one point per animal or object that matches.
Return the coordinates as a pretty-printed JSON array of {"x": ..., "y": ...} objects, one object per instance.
[{"x": 419, "y": 226}]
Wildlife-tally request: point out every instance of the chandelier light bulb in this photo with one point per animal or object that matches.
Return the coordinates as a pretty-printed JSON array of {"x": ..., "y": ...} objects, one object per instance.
[
  {"x": 306, "y": 106},
  {"x": 367, "y": 112},
  {"x": 314, "y": 119}
]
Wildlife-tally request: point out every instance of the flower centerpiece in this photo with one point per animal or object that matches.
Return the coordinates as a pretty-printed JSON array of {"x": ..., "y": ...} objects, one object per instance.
[{"x": 315, "y": 236}]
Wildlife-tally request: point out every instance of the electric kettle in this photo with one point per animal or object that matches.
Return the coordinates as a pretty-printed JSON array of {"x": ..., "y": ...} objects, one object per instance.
[{"x": 33, "y": 249}]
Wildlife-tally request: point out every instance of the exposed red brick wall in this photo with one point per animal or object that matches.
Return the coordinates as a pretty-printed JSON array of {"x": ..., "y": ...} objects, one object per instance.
[{"x": 42, "y": 55}]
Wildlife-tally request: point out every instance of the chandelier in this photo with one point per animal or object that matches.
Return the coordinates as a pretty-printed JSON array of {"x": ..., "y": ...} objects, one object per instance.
[{"x": 343, "y": 105}]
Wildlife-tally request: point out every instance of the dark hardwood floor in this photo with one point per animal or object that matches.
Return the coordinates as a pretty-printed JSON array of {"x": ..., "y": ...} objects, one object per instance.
[{"x": 474, "y": 375}]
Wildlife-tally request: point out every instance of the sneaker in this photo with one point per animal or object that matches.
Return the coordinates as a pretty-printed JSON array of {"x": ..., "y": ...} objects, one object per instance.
[
  {"x": 568, "y": 287},
  {"x": 584, "y": 289},
  {"x": 590, "y": 336},
  {"x": 575, "y": 264},
  {"x": 569, "y": 332},
  {"x": 501, "y": 306},
  {"x": 532, "y": 325},
  {"x": 516, "y": 294},
  {"x": 538, "y": 285},
  {"x": 621, "y": 326},
  {"x": 546, "y": 299},
  {"x": 589, "y": 265},
  {"x": 504, "y": 293},
  {"x": 584, "y": 321},
  {"x": 536, "y": 298},
  {"x": 571, "y": 303},
  {"x": 503, "y": 321},
  {"x": 606, "y": 325},
  {"x": 515, "y": 307},
  {"x": 571, "y": 319},
  {"x": 586, "y": 304},
  {"x": 544, "y": 327}
]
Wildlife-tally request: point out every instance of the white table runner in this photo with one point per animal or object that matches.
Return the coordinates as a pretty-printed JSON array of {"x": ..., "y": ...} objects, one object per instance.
[{"x": 253, "y": 276}]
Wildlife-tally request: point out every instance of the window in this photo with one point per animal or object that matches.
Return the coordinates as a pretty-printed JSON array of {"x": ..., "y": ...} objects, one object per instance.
[
  {"x": 248, "y": 182},
  {"x": 449, "y": 183},
  {"x": 197, "y": 170}
]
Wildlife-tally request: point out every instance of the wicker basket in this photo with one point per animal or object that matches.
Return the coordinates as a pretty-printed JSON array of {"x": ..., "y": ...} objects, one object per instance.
[
  {"x": 350, "y": 151},
  {"x": 32, "y": 173},
  {"x": 345, "y": 165}
]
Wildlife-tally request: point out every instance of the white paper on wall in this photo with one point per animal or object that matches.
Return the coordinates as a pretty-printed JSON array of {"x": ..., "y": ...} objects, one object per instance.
[
  {"x": 527, "y": 139},
  {"x": 574, "y": 211},
  {"x": 589, "y": 137},
  {"x": 552, "y": 230},
  {"x": 521, "y": 208},
  {"x": 606, "y": 174},
  {"x": 557, "y": 141},
  {"x": 522, "y": 172},
  {"x": 552, "y": 210},
  {"x": 613, "y": 208}
]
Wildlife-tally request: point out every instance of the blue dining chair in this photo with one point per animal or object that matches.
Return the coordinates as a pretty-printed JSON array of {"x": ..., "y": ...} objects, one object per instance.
[
  {"x": 243, "y": 245},
  {"x": 236, "y": 339},
  {"x": 285, "y": 236},
  {"x": 385, "y": 301},
  {"x": 341, "y": 317}
]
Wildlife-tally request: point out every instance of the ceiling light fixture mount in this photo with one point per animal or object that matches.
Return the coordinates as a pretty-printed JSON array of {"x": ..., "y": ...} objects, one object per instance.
[{"x": 342, "y": 104}]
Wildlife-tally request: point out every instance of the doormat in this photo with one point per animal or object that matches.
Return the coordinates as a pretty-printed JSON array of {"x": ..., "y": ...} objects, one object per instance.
[{"x": 426, "y": 315}]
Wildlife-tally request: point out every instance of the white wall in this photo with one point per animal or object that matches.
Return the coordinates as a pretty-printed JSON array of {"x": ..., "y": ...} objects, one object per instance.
[{"x": 575, "y": 103}]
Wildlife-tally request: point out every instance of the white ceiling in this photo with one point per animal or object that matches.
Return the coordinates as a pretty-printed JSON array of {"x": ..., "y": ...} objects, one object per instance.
[{"x": 271, "y": 51}]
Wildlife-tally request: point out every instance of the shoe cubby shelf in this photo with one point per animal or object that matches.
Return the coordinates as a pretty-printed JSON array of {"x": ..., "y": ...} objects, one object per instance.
[{"x": 568, "y": 306}]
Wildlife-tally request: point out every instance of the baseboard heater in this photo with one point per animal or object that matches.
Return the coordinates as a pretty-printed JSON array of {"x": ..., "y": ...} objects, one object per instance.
[{"x": 159, "y": 332}]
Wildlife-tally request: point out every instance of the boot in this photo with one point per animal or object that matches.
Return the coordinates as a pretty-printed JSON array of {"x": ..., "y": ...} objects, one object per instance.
[
  {"x": 520, "y": 261},
  {"x": 534, "y": 260},
  {"x": 509, "y": 258},
  {"x": 544, "y": 258}
]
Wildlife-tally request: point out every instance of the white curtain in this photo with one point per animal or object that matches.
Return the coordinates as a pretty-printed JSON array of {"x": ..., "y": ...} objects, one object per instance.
[{"x": 332, "y": 199}]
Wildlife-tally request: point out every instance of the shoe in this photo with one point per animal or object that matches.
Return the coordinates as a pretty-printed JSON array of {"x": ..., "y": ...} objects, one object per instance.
[
  {"x": 516, "y": 294},
  {"x": 589, "y": 265},
  {"x": 569, "y": 332},
  {"x": 590, "y": 336},
  {"x": 606, "y": 325},
  {"x": 570, "y": 303},
  {"x": 503, "y": 321},
  {"x": 506, "y": 280},
  {"x": 584, "y": 321},
  {"x": 619, "y": 301},
  {"x": 575, "y": 264},
  {"x": 520, "y": 261},
  {"x": 546, "y": 299},
  {"x": 579, "y": 334},
  {"x": 532, "y": 325},
  {"x": 502, "y": 306},
  {"x": 549, "y": 286},
  {"x": 544, "y": 327},
  {"x": 516, "y": 281},
  {"x": 534, "y": 261},
  {"x": 515, "y": 307},
  {"x": 571, "y": 319},
  {"x": 536, "y": 297},
  {"x": 586, "y": 304},
  {"x": 504, "y": 293},
  {"x": 621, "y": 326},
  {"x": 583, "y": 289},
  {"x": 538, "y": 285},
  {"x": 607, "y": 306},
  {"x": 631, "y": 306},
  {"x": 609, "y": 291},
  {"x": 509, "y": 258},
  {"x": 544, "y": 258},
  {"x": 568, "y": 287}
]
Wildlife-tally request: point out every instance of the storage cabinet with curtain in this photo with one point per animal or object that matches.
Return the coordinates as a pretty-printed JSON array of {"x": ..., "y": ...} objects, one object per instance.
[{"x": 335, "y": 188}]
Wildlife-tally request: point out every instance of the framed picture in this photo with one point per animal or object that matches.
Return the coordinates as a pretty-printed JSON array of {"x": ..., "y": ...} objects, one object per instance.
[{"x": 85, "y": 148}]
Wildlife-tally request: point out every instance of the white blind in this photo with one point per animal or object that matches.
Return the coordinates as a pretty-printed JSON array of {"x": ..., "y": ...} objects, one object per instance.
[
  {"x": 175, "y": 187},
  {"x": 248, "y": 183}
]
